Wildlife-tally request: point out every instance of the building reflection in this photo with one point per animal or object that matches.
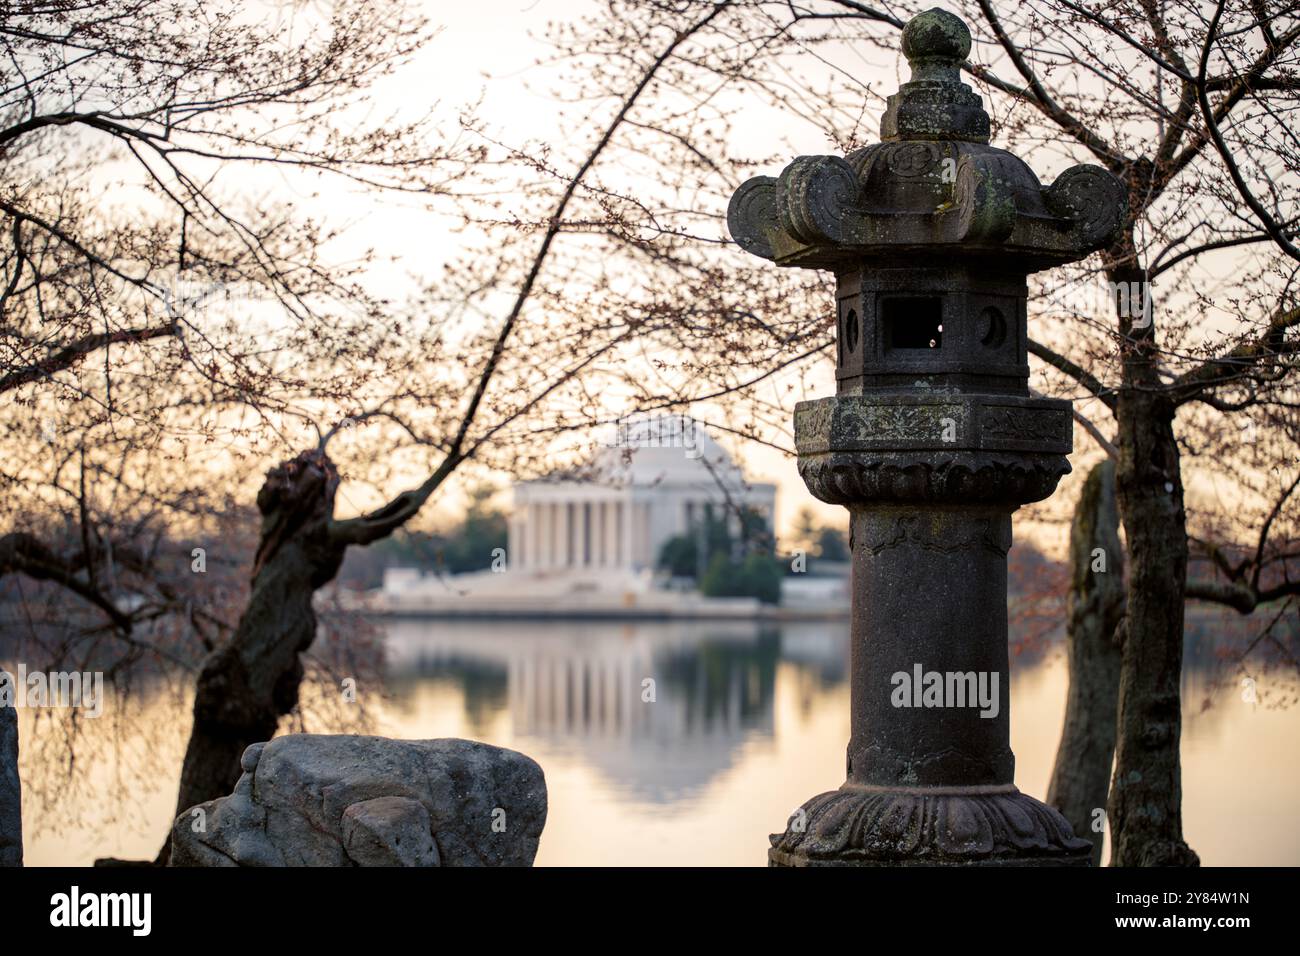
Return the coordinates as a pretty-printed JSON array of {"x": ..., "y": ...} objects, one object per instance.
[{"x": 659, "y": 709}]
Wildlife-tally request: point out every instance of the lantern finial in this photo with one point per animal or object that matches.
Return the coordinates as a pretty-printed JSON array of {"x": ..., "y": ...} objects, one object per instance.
[{"x": 935, "y": 104}]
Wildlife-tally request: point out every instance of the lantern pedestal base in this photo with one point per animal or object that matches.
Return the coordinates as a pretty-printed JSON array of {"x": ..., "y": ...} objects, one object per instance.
[{"x": 927, "y": 826}]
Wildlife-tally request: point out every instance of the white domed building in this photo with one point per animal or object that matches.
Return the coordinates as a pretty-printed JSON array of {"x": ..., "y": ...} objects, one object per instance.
[{"x": 587, "y": 541}]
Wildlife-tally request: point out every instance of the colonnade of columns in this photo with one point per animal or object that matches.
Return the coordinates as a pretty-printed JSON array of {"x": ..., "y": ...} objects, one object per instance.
[{"x": 580, "y": 534}]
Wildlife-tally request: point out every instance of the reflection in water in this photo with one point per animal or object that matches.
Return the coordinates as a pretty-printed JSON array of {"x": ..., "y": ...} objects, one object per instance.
[
  {"x": 659, "y": 711},
  {"x": 746, "y": 722}
]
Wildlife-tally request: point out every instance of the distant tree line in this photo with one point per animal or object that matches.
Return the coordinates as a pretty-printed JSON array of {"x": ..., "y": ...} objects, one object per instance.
[
  {"x": 727, "y": 564},
  {"x": 819, "y": 542},
  {"x": 748, "y": 565},
  {"x": 471, "y": 544}
]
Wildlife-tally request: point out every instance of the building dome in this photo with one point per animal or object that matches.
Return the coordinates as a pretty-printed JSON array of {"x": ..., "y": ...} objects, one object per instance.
[
  {"x": 653, "y": 478},
  {"x": 664, "y": 450}
]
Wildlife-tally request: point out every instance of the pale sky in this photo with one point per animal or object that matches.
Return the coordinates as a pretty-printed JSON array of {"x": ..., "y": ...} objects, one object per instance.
[
  {"x": 486, "y": 53},
  {"x": 485, "y": 50}
]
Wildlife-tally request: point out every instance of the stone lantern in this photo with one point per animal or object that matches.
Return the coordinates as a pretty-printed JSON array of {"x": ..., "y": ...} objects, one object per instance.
[{"x": 931, "y": 441}]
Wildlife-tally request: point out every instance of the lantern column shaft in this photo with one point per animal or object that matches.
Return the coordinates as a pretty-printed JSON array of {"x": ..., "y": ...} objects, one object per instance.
[{"x": 930, "y": 684}]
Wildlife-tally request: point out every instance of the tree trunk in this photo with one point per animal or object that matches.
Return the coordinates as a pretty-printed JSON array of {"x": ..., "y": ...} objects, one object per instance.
[
  {"x": 1081, "y": 776},
  {"x": 1145, "y": 810},
  {"x": 248, "y": 684},
  {"x": 11, "y": 793}
]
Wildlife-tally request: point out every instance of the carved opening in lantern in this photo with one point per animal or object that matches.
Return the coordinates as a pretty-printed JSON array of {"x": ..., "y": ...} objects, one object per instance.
[
  {"x": 848, "y": 334},
  {"x": 993, "y": 328},
  {"x": 912, "y": 323}
]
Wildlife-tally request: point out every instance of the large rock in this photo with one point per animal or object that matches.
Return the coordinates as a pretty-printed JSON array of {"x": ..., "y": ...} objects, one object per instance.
[
  {"x": 11, "y": 798},
  {"x": 317, "y": 800}
]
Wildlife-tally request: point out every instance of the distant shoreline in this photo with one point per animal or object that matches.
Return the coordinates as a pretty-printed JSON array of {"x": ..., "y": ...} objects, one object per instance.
[
  {"x": 608, "y": 614},
  {"x": 722, "y": 610}
]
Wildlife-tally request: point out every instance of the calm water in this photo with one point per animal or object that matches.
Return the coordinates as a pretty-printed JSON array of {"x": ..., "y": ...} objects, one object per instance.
[{"x": 748, "y": 722}]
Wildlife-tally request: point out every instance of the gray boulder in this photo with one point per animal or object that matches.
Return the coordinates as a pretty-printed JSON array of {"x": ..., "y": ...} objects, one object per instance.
[
  {"x": 320, "y": 800},
  {"x": 389, "y": 831},
  {"x": 11, "y": 797}
]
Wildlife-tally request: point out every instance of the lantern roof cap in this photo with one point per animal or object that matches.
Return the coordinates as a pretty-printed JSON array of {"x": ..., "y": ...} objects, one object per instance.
[{"x": 933, "y": 185}]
